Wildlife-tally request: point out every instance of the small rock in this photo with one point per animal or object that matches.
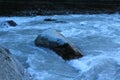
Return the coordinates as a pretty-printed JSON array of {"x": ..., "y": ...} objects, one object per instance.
[
  {"x": 48, "y": 19},
  {"x": 8, "y": 23},
  {"x": 54, "y": 20},
  {"x": 11, "y": 23}
]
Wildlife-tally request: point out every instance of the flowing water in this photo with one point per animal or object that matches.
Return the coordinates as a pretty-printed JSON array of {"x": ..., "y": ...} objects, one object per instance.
[{"x": 97, "y": 36}]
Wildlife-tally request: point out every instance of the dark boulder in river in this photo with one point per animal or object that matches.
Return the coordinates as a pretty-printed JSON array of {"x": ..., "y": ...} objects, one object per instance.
[
  {"x": 54, "y": 20},
  {"x": 8, "y": 23},
  {"x": 10, "y": 68},
  {"x": 58, "y": 43},
  {"x": 48, "y": 19},
  {"x": 11, "y": 23}
]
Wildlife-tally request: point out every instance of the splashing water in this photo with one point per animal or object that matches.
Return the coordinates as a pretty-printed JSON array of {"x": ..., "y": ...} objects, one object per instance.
[{"x": 97, "y": 36}]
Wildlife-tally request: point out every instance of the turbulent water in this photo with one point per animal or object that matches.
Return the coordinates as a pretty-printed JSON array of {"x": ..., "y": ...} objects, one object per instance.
[{"x": 97, "y": 36}]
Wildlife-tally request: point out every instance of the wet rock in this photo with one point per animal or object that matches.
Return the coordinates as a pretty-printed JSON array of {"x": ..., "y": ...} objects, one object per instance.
[
  {"x": 10, "y": 68},
  {"x": 58, "y": 43},
  {"x": 48, "y": 19},
  {"x": 54, "y": 20},
  {"x": 9, "y": 23}
]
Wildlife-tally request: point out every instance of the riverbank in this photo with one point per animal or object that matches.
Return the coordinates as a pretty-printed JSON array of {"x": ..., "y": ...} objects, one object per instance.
[{"x": 33, "y": 8}]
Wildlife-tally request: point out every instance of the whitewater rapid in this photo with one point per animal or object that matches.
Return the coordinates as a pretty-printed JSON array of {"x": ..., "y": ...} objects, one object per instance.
[{"x": 97, "y": 36}]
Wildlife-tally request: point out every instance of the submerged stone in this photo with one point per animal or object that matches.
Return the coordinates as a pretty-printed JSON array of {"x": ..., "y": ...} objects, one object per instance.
[{"x": 58, "y": 43}]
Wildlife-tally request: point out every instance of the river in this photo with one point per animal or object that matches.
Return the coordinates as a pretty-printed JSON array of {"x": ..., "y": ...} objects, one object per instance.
[{"x": 96, "y": 35}]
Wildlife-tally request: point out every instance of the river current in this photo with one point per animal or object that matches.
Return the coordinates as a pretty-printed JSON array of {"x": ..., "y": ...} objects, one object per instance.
[{"x": 96, "y": 35}]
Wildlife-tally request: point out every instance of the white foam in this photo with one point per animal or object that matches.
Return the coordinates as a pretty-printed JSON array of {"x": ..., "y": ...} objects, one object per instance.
[
  {"x": 36, "y": 75},
  {"x": 52, "y": 35},
  {"x": 101, "y": 67},
  {"x": 100, "y": 33},
  {"x": 72, "y": 32}
]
